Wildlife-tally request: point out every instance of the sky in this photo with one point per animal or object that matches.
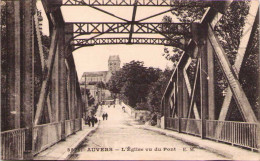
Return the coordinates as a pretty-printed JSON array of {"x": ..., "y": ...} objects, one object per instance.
[{"x": 95, "y": 58}]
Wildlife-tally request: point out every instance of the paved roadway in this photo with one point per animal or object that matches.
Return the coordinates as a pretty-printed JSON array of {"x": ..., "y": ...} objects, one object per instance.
[{"x": 119, "y": 140}]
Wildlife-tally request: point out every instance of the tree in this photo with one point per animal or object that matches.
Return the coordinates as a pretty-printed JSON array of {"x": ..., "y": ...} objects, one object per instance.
[
  {"x": 133, "y": 82},
  {"x": 90, "y": 98},
  {"x": 229, "y": 31},
  {"x": 157, "y": 89},
  {"x": 116, "y": 82},
  {"x": 101, "y": 85}
]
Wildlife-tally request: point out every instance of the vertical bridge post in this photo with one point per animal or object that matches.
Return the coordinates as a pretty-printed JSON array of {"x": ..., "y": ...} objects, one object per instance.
[
  {"x": 200, "y": 37},
  {"x": 27, "y": 9}
]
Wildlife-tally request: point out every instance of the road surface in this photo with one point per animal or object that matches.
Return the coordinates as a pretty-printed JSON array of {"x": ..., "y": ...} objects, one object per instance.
[{"x": 117, "y": 139}]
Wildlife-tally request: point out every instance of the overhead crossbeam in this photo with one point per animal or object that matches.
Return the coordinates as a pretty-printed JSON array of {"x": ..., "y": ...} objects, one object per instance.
[
  {"x": 139, "y": 28},
  {"x": 110, "y": 41},
  {"x": 166, "y": 3}
]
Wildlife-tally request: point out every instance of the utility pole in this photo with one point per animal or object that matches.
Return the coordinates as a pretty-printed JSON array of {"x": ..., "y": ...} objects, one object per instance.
[
  {"x": 85, "y": 95},
  {"x": 101, "y": 83}
]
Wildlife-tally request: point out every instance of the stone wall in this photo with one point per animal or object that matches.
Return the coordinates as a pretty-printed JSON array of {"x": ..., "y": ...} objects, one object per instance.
[{"x": 140, "y": 115}]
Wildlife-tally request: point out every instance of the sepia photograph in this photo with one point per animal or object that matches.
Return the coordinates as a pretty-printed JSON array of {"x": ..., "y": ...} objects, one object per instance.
[{"x": 130, "y": 80}]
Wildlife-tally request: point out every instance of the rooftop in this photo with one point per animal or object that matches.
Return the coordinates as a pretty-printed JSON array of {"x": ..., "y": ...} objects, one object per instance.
[{"x": 94, "y": 74}]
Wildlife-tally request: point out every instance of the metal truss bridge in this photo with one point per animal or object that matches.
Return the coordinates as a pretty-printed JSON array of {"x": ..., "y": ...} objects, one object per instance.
[{"x": 43, "y": 103}]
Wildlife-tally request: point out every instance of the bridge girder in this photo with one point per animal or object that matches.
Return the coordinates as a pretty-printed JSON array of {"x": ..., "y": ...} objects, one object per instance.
[
  {"x": 138, "y": 28},
  {"x": 159, "y": 3},
  {"x": 78, "y": 43}
]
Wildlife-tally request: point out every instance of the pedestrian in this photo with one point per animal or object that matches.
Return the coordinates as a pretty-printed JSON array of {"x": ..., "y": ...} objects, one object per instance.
[
  {"x": 106, "y": 115},
  {"x": 87, "y": 121},
  {"x": 93, "y": 120},
  {"x": 103, "y": 116}
]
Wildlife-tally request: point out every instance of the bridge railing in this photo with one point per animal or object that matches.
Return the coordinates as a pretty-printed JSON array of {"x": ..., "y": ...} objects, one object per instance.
[
  {"x": 13, "y": 144},
  {"x": 172, "y": 123},
  {"x": 46, "y": 135},
  {"x": 190, "y": 126},
  {"x": 78, "y": 124},
  {"x": 237, "y": 133},
  {"x": 69, "y": 127}
]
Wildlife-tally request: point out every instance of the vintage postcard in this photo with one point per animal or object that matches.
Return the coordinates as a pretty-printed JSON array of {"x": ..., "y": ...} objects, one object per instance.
[{"x": 130, "y": 80}]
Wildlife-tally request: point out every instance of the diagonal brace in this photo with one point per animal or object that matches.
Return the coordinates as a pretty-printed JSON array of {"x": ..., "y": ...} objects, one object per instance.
[
  {"x": 45, "y": 83},
  {"x": 238, "y": 92},
  {"x": 251, "y": 17}
]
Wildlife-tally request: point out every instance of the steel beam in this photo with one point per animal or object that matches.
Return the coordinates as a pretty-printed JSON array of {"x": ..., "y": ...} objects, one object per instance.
[
  {"x": 239, "y": 95},
  {"x": 170, "y": 98},
  {"x": 56, "y": 84},
  {"x": 179, "y": 96},
  {"x": 132, "y": 22},
  {"x": 185, "y": 97},
  {"x": 192, "y": 93},
  {"x": 192, "y": 105},
  {"x": 69, "y": 91},
  {"x": 39, "y": 40},
  {"x": 13, "y": 59},
  {"x": 63, "y": 82},
  {"x": 187, "y": 82},
  {"x": 49, "y": 106},
  {"x": 203, "y": 53},
  {"x": 211, "y": 85},
  {"x": 27, "y": 101},
  {"x": 125, "y": 27},
  {"x": 73, "y": 107},
  {"x": 17, "y": 63},
  {"x": 141, "y": 41},
  {"x": 45, "y": 83},
  {"x": 158, "y": 3},
  {"x": 249, "y": 23}
]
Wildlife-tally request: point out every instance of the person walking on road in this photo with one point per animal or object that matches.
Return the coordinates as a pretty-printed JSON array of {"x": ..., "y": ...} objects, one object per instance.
[
  {"x": 106, "y": 116},
  {"x": 103, "y": 116},
  {"x": 87, "y": 121},
  {"x": 93, "y": 121}
]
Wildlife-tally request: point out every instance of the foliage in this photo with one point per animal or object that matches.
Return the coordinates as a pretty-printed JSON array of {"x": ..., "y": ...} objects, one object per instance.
[
  {"x": 229, "y": 31},
  {"x": 230, "y": 28},
  {"x": 115, "y": 83},
  {"x": 91, "y": 99},
  {"x": 133, "y": 82},
  {"x": 101, "y": 85},
  {"x": 156, "y": 91},
  {"x": 250, "y": 71}
]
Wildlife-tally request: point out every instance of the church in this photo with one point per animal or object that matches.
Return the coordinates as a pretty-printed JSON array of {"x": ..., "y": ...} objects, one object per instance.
[{"x": 92, "y": 78}]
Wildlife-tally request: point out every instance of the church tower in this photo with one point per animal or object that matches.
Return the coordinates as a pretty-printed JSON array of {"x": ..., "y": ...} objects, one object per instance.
[{"x": 114, "y": 63}]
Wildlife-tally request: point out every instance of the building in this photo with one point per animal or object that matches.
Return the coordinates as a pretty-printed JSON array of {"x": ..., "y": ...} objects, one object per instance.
[
  {"x": 91, "y": 79},
  {"x": 114, "y": 63}
]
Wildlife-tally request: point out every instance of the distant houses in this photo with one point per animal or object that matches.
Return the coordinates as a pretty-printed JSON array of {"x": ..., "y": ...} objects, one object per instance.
[{"x": 93, "y": 80}]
